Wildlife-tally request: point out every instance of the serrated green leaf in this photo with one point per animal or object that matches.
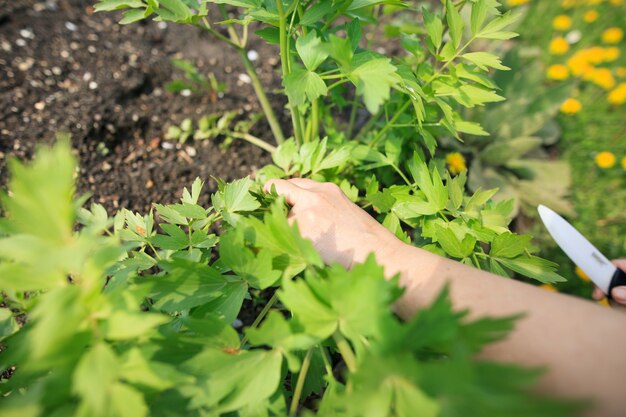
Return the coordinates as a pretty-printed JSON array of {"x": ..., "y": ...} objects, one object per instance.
[
  {"x": 301, "y": 84},
  {"x": 533, "y": 267},
  {"x": 434, "y": 27},
  {"x": 310, "y": 50},
  {"x": 484, "y": 60},
  {"x": 455, "y": 24},
  {"x": 373, "y": 80},
  {"x": 509, "y": 245}
]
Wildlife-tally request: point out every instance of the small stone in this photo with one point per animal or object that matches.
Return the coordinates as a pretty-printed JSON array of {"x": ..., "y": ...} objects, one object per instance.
[
  {"x": 149, "y": 184},
  {"x": 253, "y": 55},
  {"x": 87, "y": 76},
  {"x": 573, "y": 37},
  {"x": 56, "y": 70},
  {"x": 6, "y": 46},
  {"x": 40, "y": 105},
  {"x": 106, "y": 166},
  {"x": 244, "y": 78},
  {"x": 93, "y": 85},
  {"x": 273, "y": 61},
  {"x": 26, "y": 64},
  {"x": 212, "y": 61},
  {"x": 185, "y": 93},
  {"x": 167, "y": 145},
  {"x": 27, "y": 34},
  {"x": 228, "y": 69},
  {"x": 91, "y": 49},
  {"x": 237, "y": 324},
  {"x": 191, "y": 151},
  {"x": 162, "y": 25},
  {"x": 71, "y": 26},
  {"x": 65, "y": 54},
  {"x": 135, "y": 118},
  {"x": 74, "y": 46},
  {"x": 157, "y": 92},
  {"x": 20, "y": 42},
  {"x": 154, "y": 143}
]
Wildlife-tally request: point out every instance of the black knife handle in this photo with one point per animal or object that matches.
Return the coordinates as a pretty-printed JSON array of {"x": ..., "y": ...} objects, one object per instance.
[{"x": 619, "y": 278}]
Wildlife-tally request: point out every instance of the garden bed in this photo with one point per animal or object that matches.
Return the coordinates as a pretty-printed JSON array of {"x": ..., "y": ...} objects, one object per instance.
[{"x": 65, "y": 68}]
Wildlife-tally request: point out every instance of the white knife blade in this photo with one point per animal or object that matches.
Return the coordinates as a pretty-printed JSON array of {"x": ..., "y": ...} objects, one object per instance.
[{"x": 599, "y": 269}]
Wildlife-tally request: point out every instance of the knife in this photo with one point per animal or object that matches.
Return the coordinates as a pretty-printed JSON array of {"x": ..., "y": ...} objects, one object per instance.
[{"x": 597, "y": 267}]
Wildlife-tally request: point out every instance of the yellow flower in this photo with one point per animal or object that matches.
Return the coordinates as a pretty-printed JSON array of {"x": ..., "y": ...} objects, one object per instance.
[
  {"x": 605, "y": 159},
  {"x": 618, "y": 96},
  {"x": 594, "y": 2},
  {"x": 611, "y": 54},
  {"x": 612, "y": 35},
  {"x": 558, "y": 72},
  {"x": 617, "y": 2},
  {"x": 513, "y": 3},
  {"x": 624, "y": 163},
  {"x": 559, "y": 46},
  {"x": 603, "y": 78},
  {"x": 590, "y": 16},
  {"x": 571, "y": 106},
  {"x": 562, "y": 22},
  {"x": 604, "y": 302},
  {"x": 568, "y": 3},
  {"x": 455, "y": 162},
  {"x": 547, "y": 287},
  {"x": 621, "y": 72},
  {"x": 581, "y": 274},
  {"x": 594, "y": 55}
]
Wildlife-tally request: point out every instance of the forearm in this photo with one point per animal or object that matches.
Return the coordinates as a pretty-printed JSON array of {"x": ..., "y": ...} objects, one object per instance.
[{"x": 565, "y": 334}]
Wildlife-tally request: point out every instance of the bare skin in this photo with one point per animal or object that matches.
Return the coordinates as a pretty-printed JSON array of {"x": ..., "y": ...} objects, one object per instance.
[{"x": 579, "y": 342}]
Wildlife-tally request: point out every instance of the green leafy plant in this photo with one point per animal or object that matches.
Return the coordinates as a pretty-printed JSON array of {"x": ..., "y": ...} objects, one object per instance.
[
  {"x": 131, "y": 316},
  {"x": 196, "y": 82}
]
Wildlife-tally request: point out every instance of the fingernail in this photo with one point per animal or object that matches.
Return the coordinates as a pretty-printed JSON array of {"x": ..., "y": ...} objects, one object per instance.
[{"x": 619, "y": 294}]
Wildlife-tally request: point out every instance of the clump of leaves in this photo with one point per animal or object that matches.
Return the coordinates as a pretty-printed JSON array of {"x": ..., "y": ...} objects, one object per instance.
[
  {"x": 131, "y": 316},
  {"x": 195, "y": 82}
]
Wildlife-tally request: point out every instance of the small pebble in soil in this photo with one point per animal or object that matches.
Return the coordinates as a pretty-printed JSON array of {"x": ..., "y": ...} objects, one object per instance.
[
  {"x": 167, "y": 145},
  {"x": 20, "y": 42},
  {"x": 40, "y": 105},
  {"x": 162, "y": 25},
  {"x": 185, "y": 93},
  {"x": 253, "y": 55},
  {"x": 65, "y": 54},
  {"x": 6, "y": 46},
  {"x": 191, "y": 151},
  {"x": 237, "y": 323},
  {"x": 149, "y": 184},
  {"x": 93, "y": 85},
  {"x": 87, "y": 76},
  {"x": 106, "y": 166},
  {"x": 27, "y": 34},
  {"x": 244, "y": 78},
  {"x": 71, "y": 26},
  {"x": 272, "y": 61}
]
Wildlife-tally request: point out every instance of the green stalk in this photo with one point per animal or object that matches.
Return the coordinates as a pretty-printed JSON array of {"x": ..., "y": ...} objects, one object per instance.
[
  {"x": 384, "y": 130},
  {"x": 268, "y": 111},
  {"x": 315, "y": 122},
  {"x": 260, "y": 317},
  {"x": 355, "y": 107},
  {"x": 295, "y": 401},
  {"x": 262, "y": 97},
  {"x": 346, "y": 351},
  {"x": 285, "y": 59},
  {"x": 253, "y": 140}
]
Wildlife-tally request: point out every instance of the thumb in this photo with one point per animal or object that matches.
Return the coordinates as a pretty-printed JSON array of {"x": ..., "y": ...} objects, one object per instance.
[
  {"x": 287, "y": 189},
  {"x": 619, "y": 294}
]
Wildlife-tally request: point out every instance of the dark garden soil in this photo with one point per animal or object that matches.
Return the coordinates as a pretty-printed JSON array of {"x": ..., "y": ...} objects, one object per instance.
[{"x": 65, "y": 68}]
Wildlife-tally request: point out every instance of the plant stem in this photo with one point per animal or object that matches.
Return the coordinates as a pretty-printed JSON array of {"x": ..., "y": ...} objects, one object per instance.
[
  {"x": 401, "y": 175},
  {"x": 268, "y": 111},
  {"x": 327, "y": 364},
  {"x": 295, "y": 401},
  {"x": 315, "y": 122},
  {"x": 384, "y": 130},
  {"x": 355, "y": 107},
  {"x": 260, "y": 317},
  {"x": 346, "y": 351},
  {"x": 285, "y": 61},
  {"x": 254, "y": 140}
]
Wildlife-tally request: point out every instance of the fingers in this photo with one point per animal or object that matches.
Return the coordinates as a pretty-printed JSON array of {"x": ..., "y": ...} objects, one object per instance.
[
  {"x": 620, "y": 263},
  {"x": 619, "y": 294},
  {"x": 292, "y": 192},
  {"x": 597, "y": 294},
  {"x": 305, "y": 183}
]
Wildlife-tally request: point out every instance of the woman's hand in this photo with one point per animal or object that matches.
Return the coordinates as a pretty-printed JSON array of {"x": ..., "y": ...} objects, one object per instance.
[
  {"x": 618, "y": 293},
  {"x": 340, "y": 230}
]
